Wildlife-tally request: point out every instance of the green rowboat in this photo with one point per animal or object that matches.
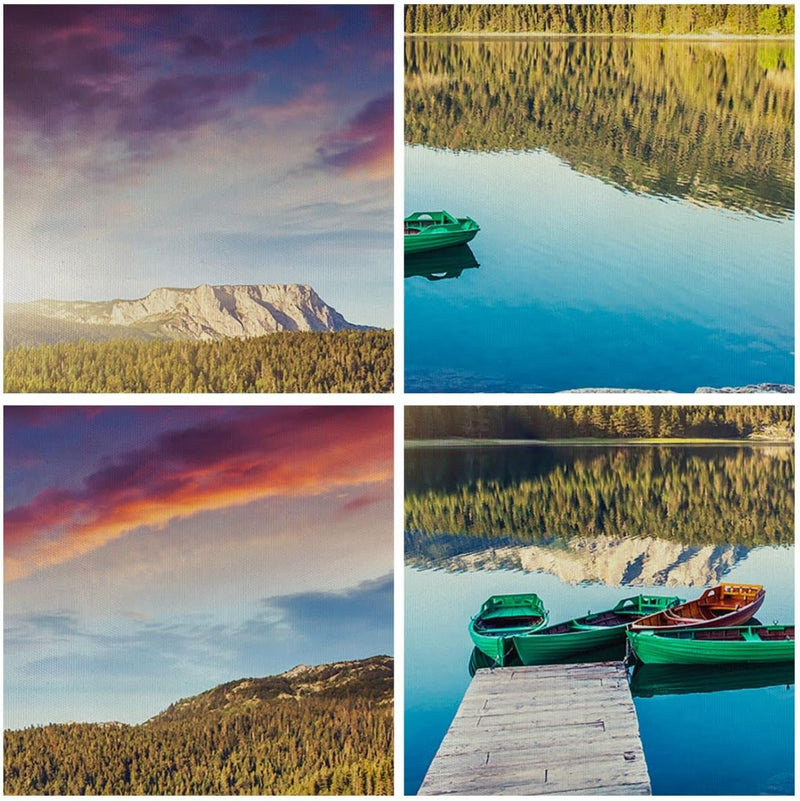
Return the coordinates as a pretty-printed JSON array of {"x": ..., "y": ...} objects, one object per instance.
[
  {"x": 715, "y": 645},
  {"x": 432, "y": 230},
  {"x": 500, "y": 618},
  {"x": 562, "y": 641}
]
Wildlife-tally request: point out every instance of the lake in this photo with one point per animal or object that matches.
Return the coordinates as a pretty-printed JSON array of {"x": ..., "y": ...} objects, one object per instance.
[
  {"x": 636, "y": 204},
  {"x": 584, "y": 526}
]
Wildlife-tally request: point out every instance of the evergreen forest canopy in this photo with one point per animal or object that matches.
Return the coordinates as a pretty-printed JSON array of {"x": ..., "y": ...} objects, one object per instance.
[
  {"x": 698, "y": 19},
  {"x": 712, "y": 123},
  {"x": 462, "y": 500},
  {"x": 345, "y": 361},
  {"x": 334, "y": 737},
  {"x": 608, "y": 422}
]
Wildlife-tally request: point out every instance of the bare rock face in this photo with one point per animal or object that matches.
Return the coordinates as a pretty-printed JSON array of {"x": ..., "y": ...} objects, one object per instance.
[{"x": 203, "y": 313}]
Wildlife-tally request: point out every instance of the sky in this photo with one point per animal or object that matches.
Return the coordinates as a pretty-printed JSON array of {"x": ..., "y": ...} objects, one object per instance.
[
  {"x": 151, "y": 146},
  {"x": 153, "y": 553}
]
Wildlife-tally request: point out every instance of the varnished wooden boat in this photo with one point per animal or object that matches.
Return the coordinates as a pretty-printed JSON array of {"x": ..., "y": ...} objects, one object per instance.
[
  {"x": 500, "y": 618},
  {"x": 725, "y": 605},
  {"x": 560, "y": 641},
  {"x": 713, "y": 645},
  {"x": 431, "y": 230}
]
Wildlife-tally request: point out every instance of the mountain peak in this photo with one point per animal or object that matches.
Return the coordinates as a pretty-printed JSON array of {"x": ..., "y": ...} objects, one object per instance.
[{"x": 204, "y": 312}]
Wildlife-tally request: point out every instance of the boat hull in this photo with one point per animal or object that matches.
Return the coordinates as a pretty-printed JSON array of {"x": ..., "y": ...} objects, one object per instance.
[
  {"x": 726, "y": 605},
  {"x": 436, "y": 240},
  {"x": 591, "y": 632},
  {"x": 436, "y": 230},
  {"x": 547, "y": 648},
  {"x": 714, "y": 646},
  {"x": 500, "y": 618}
]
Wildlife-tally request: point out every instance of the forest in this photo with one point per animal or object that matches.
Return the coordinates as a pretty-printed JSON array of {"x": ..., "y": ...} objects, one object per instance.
[
  {"x": 710, "y": 123},
  {"x": 460, "y": 499},
  {"x": 334, "y": 741},
  {"x": 665, "y": 19},
  {"x": 346, "y": 361},
  {"x": 605, "y": 422}
]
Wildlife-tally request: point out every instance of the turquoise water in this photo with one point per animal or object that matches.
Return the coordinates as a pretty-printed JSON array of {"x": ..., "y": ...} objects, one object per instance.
[
  {"x": 582, "y": 285},
  {"x": 437, "y": 650},
  {"x": 636, "y": 218},
  {"x": 690, "y": 723}
]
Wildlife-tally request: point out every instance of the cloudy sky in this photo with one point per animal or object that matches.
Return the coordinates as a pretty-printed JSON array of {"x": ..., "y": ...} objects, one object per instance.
[
  {"x": 153, "y": 553},
  {"x": 177, "y": 145}
]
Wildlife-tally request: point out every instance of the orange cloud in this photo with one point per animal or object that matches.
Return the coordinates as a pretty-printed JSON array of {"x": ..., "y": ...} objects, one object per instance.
[{"x": 215, "y": 465}]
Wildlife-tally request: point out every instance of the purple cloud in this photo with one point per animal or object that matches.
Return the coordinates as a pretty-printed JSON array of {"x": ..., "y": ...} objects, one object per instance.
[
  {"x": 365, "y": 141},
  {"x": 181, "y": 103}
]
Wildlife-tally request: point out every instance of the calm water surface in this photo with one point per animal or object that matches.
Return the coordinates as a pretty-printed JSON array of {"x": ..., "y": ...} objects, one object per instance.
[
  {"x": 636, "y": 204},
  {"x": 451, "y": 571}
]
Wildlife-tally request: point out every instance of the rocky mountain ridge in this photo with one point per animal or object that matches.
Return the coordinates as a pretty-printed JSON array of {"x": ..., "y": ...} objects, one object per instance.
[
  {"x": 204, "y": 312},
  {"x": 371, "y": 677}
]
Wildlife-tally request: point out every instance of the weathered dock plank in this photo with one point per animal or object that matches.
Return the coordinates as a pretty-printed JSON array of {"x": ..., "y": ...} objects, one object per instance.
[{"x": 543, "y": 730}]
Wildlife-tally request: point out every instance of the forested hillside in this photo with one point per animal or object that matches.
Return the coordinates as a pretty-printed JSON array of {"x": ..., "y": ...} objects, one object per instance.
[
  {"x": 564, "y": 422},
  {"x": 345, "y": 361},
  {"x": 618, "y": 18},
  {"x": 311, "y": 731}
]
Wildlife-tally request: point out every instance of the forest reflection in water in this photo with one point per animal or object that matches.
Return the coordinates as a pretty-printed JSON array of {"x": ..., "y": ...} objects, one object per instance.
[
  {"x": 619, "y": 515},
  {"x": 711, "y": 122}
]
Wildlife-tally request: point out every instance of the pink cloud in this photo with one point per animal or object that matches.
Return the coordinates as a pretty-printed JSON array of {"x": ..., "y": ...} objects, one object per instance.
[{"x": 215, "y": 464}]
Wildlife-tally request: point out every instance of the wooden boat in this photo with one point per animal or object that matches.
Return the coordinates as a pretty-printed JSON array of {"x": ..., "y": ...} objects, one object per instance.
[
  {"x": 431, "y": 230},
  {"x": 712, "y": 646},
  {"x": 500, "y": 618},
  {"x": 725, "y": 605},
  {"x": 599, "y": 630}
]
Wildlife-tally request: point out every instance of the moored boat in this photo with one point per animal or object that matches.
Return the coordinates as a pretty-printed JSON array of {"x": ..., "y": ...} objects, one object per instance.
[
  {"x": 714, "y": 645},
  {"x": 725, "y": 605},
  {"x": 500, "y": 618},
  {"x": 431, "y": 230},
  {"x": 601, "y": 629}
]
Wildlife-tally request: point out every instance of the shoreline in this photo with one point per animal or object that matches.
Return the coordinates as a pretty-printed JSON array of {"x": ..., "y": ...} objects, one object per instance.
[
  {"x": 463, "y": 442},
  {"x": 698, "y": 37}
]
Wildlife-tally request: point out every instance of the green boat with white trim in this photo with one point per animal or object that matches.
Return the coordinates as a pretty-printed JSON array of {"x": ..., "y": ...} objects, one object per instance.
[
  {"x": 599, "y": 630},
  {"x": 500, "y": 618},
  {"x": 433, "y": 230},
  {"x": 713, "y": 646}
]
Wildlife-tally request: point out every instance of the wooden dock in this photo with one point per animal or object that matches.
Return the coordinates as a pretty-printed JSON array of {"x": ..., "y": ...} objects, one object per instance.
[{"x": 548, "y": 729}]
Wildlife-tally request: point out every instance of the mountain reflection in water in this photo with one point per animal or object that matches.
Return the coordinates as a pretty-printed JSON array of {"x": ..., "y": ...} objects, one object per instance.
[{"x": 645, "y": 516}]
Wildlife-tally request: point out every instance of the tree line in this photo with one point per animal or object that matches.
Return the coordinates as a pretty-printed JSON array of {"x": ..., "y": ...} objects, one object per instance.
[
  {"x": 712, "y": 124},
  {"x": 456, "y": 502},
  {"x": 607, "y": 422},
  {"x": 740, "y": 19},
  {"x": 346, "y": 361},
  {"x": 317, "y": 744}
]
